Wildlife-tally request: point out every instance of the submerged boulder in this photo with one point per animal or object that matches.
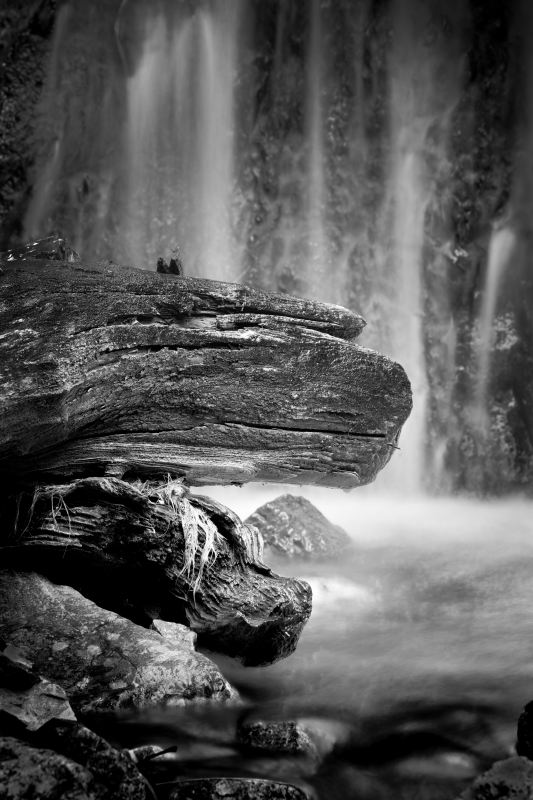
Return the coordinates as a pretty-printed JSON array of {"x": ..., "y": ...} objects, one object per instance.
[
  {"x": 103, "y": 661},
  {"x": 292, "y": 526},
  {"x": 511, "y": 779},
  {"x": 276, "y": 736},
  {"x": 235, "y": 789}
]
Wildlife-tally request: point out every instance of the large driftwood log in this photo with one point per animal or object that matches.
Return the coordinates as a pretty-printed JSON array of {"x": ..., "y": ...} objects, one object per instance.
[
  {"x": 147, "y": 551},
  {"x": 130, "y": 373}
]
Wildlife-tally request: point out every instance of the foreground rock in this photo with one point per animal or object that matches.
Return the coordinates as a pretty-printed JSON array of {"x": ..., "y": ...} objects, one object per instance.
[
  {"x": 113, "y": 769},
  {"x": 104, "y": 662},
  {"x": 128, "y": 371},
  {"x": 28, "y": 773},
  {"x": 294, "y": 527},
  {"x": 155, "y": 551},
  {"x": 524, "y": 733},
  {"x": 235, "y": 789},
  {"x": 28, "y": 701},
  {"x": 511, "y": 779}
]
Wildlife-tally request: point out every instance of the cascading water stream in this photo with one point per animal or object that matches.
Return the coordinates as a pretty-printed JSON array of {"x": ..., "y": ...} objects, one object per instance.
[
  {"x": 160, "y": 169},
  {"x": 146, "y": 92},
  {"x": 420, "y": 107},
  {"x": 216, "y": 248},
  {"x": 501, "y": 247},
  {"x": 318, "y": 279},
  {"x": 181, "y": 140}
]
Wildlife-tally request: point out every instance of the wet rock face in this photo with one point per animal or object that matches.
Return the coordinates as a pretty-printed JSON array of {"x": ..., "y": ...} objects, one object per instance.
[
  {"x": 512, "y": 778},
  {"x": 100, "y": 773},
  {"x": 294, "y": 527},
  {"x": 103, "y": 661},
  {"x": 25, "y": 30}
]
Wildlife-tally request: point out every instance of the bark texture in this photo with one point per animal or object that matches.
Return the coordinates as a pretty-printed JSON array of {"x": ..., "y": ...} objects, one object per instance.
[{"x": 120, "y": 371}]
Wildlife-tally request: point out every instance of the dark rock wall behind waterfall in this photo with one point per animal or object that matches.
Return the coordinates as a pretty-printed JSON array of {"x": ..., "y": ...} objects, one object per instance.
[
  {"x": 25, "y": 30},
  {"x": 474, "y": 164}
]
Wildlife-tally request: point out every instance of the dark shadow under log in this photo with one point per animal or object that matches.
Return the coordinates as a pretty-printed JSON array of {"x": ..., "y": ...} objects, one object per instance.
[{"x": 148, "y": 551}]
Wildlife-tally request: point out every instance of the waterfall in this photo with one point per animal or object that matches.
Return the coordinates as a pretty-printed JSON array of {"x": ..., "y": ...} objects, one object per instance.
[
  {"x": 420, "y": 105},
  {"x": 144, "y": 202},
  {"x": 180, "y": 142},
  {"x": 317, "y": 279},
  {"x": 216, "y": 248},
  {"x": 158, "y": 173},
  {"x": 314, "y": 157}
]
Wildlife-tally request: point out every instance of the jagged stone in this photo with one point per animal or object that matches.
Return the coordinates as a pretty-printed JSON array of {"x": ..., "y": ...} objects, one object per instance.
[
  {"x": 103, "y": 661},
  {"x": 294, "y": 527}
]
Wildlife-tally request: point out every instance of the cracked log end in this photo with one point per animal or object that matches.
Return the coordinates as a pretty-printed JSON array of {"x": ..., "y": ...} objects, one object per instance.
[
  {"x": 148, "y": 551},
  {"x": 117, "y": 371}
]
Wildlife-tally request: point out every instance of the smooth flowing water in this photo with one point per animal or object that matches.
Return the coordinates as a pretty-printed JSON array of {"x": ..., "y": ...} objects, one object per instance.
[
  {"x": 413, "y": 668},
  {"x": 139, "y": 162}
]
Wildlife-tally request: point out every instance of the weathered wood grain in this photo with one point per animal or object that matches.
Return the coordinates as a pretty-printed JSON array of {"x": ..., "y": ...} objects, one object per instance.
[{"x": 107, "y": 370}]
